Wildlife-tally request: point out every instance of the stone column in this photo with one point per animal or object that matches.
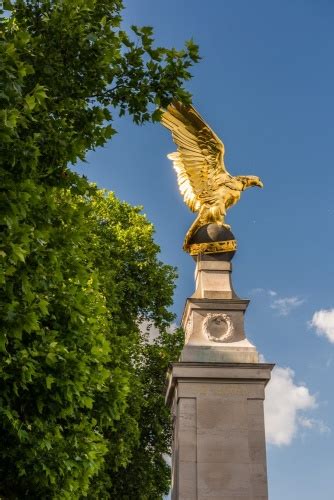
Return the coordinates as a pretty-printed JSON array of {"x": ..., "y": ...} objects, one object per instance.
[{"x": 216, "y": 394}]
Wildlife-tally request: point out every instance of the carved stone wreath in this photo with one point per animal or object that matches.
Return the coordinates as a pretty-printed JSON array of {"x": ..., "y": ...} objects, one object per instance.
[{"x": 218, "y": 327}]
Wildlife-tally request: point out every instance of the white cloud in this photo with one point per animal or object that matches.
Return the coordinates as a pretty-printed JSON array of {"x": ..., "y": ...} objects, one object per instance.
[
  {"x": 285, "y": 305},
  {"x": 314, "y": 423},
  {"x": 323, "y": 322},
  {"x": 283, "y": 404}
]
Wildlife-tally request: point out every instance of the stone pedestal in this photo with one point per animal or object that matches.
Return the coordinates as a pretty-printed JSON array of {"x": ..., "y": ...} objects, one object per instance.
[
  {"x": 216, "y": 395},
  {"x": 219, "y": 442}
]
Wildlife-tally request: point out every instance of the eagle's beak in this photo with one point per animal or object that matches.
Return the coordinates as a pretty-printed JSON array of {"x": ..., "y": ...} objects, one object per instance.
[{"x": 253, "y": 180}]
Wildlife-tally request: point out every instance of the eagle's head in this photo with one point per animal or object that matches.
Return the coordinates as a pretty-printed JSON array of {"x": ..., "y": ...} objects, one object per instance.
[{"x": 249, "y": 181}]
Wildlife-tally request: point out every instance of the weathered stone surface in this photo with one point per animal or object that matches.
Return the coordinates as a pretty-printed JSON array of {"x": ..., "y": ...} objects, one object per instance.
[
  {"x": 219, "y": 449},
  {"x": 226, "y": 446},
  {"x": 187, "y": 429},
  {"x": 223, "y": 479},
  {"x": 222, "y": 414},
  {"x": 186, "y": 483},
  {"x": 216, "y": 393},
  {"x": 235, "y": 353}
]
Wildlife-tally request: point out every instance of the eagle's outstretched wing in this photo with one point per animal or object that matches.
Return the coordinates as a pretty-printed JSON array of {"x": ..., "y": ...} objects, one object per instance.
[{"x": 199, "y": 161}]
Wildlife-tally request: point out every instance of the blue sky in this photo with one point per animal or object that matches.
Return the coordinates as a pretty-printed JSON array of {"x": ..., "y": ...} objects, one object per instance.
[{"x": 266, "y": 86}]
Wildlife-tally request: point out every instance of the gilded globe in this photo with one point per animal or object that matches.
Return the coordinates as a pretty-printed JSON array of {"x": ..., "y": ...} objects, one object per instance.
[{"x": 210, "y": 234}]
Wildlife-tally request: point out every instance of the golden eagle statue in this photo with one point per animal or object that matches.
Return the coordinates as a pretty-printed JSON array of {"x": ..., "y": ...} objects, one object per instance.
[{"x": 204, "y": 182}]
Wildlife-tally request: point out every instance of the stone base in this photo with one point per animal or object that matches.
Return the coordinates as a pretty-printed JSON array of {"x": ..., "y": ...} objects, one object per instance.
[
  {"x": 238, "y": 352},
  {"x": 219, "y": 441}
]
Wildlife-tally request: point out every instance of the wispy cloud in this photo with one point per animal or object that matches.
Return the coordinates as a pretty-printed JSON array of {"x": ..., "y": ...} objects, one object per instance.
[
  {"x": 284, "y": 305},
  {"x": 285, "y": 405},
  {"x": 315, "y": 424},
  {"x": 257, "y": 290},
  {"x": 323, "y": 323}
]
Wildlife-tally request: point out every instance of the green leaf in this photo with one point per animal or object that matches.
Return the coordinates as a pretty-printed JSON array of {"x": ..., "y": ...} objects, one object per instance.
[
  {"x": 43, "y": 306},
  {"x": 156, "y": 115},
  {"x": 30, "y": 102},
  {"x": 3, "y": 342},
  {"x": 49, "y": 381},
  {"x": 87, "y": 402},
  {"x": 11, "y": 118},
  {"x": 19, "y": 252}
]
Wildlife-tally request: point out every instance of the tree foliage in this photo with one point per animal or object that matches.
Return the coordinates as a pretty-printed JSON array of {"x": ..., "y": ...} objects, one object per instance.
[
  {"x": 80, "y": 386},
  {"x": 137, "y": 288}
]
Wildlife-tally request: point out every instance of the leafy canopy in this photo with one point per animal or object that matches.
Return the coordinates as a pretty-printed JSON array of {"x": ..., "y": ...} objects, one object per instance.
[
  {"x": 68, "y": 64},
  {"x": 80, "y": 399}
]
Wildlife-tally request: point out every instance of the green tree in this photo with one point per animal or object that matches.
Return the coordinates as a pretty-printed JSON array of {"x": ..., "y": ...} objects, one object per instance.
[
  {"x": 73, "y": 366},
  {"x": 137, "y": 288}
]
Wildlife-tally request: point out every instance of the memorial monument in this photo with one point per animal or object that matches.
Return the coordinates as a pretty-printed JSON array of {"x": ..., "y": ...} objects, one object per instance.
[{"x": 216, "y": 390}]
